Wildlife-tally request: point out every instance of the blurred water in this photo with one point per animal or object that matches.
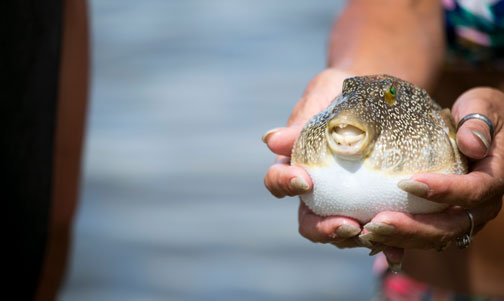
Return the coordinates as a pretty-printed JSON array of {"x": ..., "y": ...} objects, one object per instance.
[{"x": 173, "y": 205}]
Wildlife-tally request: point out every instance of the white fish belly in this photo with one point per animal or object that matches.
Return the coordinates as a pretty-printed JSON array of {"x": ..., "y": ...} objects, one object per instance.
[{"x": 350, "y": 189}]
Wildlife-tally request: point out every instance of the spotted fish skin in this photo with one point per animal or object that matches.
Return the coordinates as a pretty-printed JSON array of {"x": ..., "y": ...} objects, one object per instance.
[
  {"x": 412, "y": 135},
  {"x": 400, "y": 131}
]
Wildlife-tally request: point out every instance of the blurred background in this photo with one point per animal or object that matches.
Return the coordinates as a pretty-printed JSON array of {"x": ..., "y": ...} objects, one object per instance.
[{"x": 172, "y": 203}]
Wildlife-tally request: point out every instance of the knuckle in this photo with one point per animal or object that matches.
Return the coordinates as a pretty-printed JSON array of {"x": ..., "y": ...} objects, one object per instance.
[
  {"x": 274, "y": 185},
  {"x": 304, "y": 233},
  {"x": 484, "y": 191},
  {"x": 475, "y": 196},
  {"x": 277, "y": 194}
]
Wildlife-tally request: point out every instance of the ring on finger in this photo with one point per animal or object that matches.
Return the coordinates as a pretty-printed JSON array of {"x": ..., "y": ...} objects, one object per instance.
[
  {"x": 480, "y": 117},
  {"x": 464, "y": 240}
]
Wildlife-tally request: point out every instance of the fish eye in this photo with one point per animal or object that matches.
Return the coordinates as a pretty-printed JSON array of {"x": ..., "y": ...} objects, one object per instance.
[{"x": 390, "y": 95}]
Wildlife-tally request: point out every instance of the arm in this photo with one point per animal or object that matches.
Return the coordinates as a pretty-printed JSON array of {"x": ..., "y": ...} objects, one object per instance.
[
  {"x": 400, "y": 38},
  {"x": 368, "y": 38},
  {"x": 405, "y": 40}
]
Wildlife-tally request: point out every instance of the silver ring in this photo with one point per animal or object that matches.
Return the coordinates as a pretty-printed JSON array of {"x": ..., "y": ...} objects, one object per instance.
[
  {"x": 480, "y": 117},
  {"x": 464, "y": 241}
]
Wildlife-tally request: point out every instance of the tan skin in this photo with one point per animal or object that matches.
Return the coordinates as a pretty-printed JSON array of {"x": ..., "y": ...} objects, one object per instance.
[{"x": 366, "y": 40}]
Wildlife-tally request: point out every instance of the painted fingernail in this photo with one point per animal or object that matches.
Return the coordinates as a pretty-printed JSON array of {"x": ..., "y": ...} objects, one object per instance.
[
  {"x": 366, "y": 240},
  {"x": 481, "y": 137},
  {"x": 414, "y": 187},
  {"x": 347, "y": 231},
  {"x": 395, "y": 267},
  {"x": 299, "y": 184},
  {"x": 367, "y": 236},
  {"x": 376, "y": 250},
  {"x": 380, "y": 228},
  {"x": 266, "y": 135}
]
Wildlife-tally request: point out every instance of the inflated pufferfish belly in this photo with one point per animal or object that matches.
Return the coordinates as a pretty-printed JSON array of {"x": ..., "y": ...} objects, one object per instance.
[{"x": 379, "y": 131}]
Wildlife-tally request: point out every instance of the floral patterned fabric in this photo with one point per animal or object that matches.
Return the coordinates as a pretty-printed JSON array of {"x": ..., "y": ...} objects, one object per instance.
[{"x": 475, "y": 33}]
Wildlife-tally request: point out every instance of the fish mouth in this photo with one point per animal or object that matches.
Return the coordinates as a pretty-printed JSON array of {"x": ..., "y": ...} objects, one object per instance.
[{"x": 348, "y": 138}]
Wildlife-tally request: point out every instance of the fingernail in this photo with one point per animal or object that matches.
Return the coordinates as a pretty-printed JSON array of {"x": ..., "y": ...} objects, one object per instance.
[
  {"x": 481, "y": 137},
  {"x": 380, "y": 228},
  {"x": 365, "y": 240},
  {"x": 299, "y": 184},
  {"x": 395, "y": 267},
  {"x": 266, "y": 135},
  {"x": 347, "y": 231},
  {"x": 414, "y": 187},
  {"x": 367, "y": 236},
  {"x": 376, "y": 250}
]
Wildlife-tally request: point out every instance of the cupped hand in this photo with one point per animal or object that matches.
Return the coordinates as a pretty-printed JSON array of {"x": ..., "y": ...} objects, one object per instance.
[
  {"x": 480, "y": 191},
  {"x": 282, "y": 179}
]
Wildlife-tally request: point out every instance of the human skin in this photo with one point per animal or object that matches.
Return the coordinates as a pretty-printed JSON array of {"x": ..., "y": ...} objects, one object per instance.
[
  {"x": 366, "y": 40},
  {"x": 69, "y": 133}
]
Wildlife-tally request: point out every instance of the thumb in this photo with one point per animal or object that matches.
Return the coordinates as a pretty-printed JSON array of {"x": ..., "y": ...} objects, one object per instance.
[
  {"x": 473, "y": 139},
  {"x": 473, "y": 136},
  {"x": 281, "y": 140},
  {"x": 318, "y": 95}
]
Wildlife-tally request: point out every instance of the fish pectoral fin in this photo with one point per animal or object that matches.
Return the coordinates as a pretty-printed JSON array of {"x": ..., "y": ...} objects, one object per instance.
[{"x": 449, "y": 122}]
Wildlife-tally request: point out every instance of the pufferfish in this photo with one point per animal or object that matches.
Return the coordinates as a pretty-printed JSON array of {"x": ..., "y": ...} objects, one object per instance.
[{"x": 378, "y": 131}]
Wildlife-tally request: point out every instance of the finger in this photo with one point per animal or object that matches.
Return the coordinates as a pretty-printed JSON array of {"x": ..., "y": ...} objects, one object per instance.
[
  {"x": 473, "y": 137},
  {"x": 487, "y": 177},
  {"x": 346, "y": 243},
  {"x": 377, "y": 248},
  {"x": 283, "y": 179},
  {"x": 422, "y": 231},
  {"x": 394, "y": 258},
  {"x": 281, "y": 140},
  {"x": 319, "y": 93},
  {"x": 467, "y": 190},
  {"x": 355, "y": 241},
  {"x": 425, "y": 231},
  {"x": 325, "y": 229},
  {"x": 364, "y": 242}
]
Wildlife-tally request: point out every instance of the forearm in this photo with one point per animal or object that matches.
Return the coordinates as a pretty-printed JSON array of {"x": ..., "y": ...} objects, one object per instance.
[{"x": 400, "y": 38}]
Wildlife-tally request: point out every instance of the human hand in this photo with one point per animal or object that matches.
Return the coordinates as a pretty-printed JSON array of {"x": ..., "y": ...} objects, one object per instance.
[
  {"x": 481, "y": 190},
  {"x": 283, "y": 179}
]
